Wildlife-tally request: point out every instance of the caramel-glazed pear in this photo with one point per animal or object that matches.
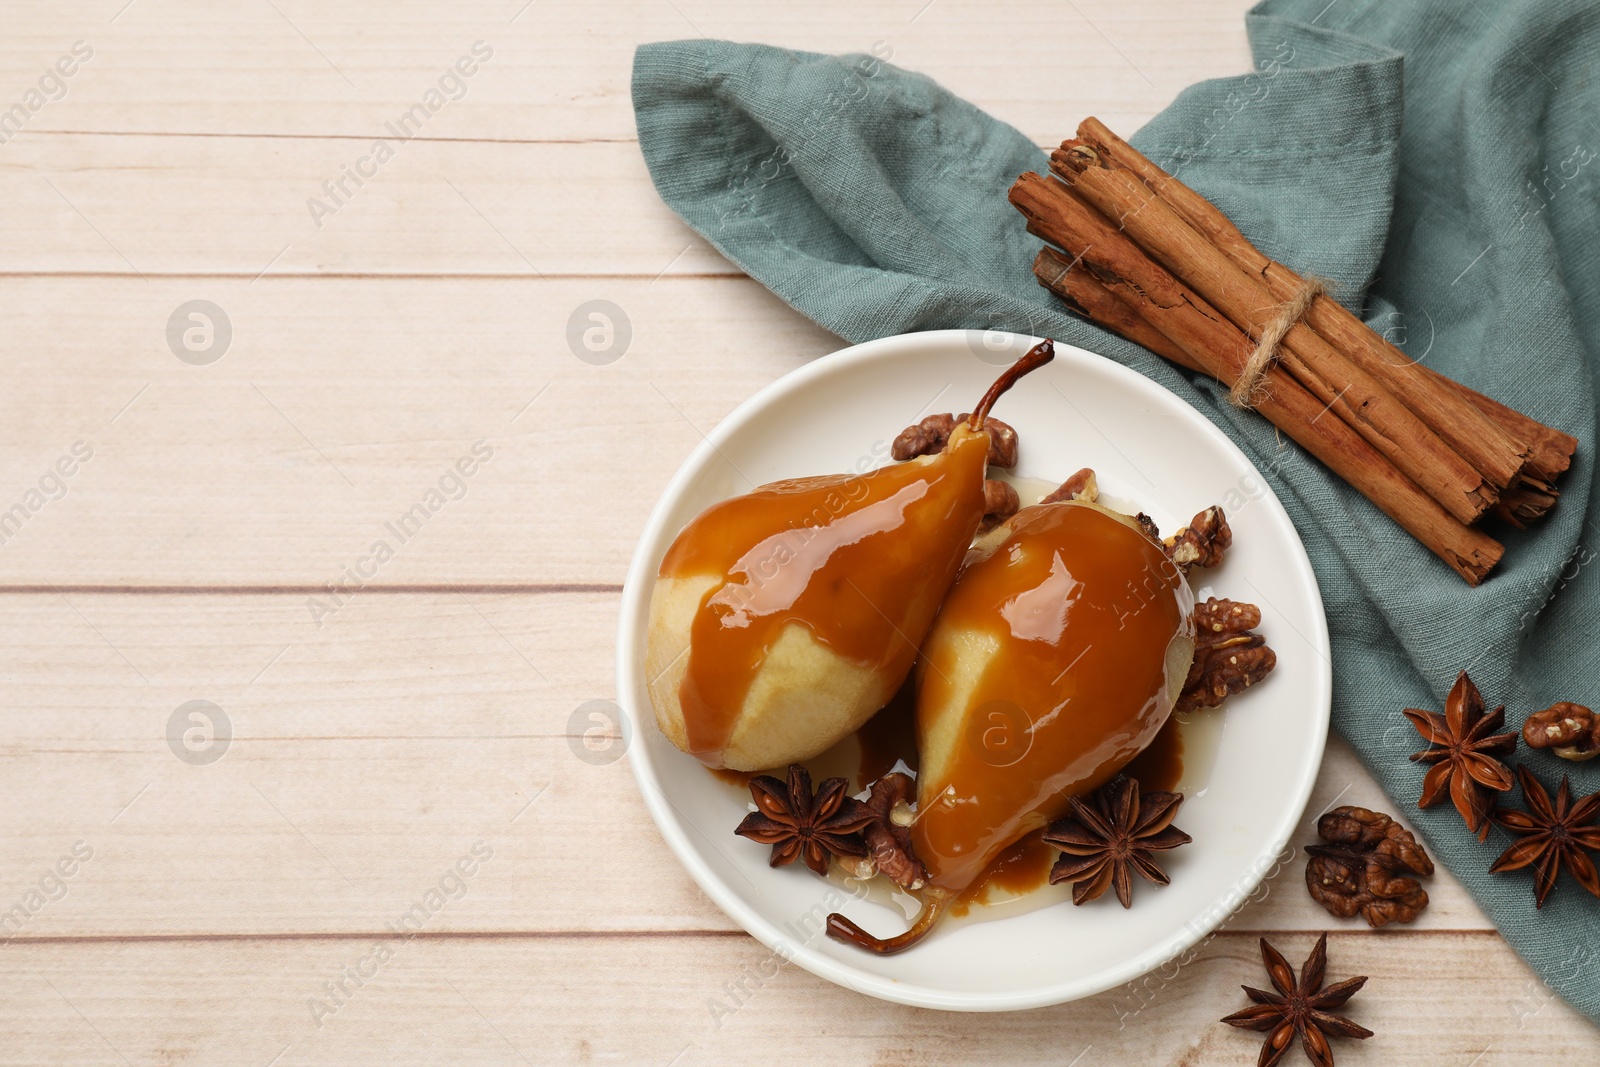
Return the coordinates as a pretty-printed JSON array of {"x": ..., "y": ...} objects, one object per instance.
[
  {"x": 1056, "y": 658},
  {"x": 781, "y": 620}
]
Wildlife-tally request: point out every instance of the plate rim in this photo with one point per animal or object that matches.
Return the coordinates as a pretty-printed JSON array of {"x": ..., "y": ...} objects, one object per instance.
[{"x": 628, "y": 679}]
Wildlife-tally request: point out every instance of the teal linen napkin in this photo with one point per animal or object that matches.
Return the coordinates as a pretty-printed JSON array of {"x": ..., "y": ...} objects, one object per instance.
[{"x": 1438, "y": 159}]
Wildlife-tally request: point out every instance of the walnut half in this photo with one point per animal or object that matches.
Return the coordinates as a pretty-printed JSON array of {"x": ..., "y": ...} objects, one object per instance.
[
  {"x": 1228, "y": 656},
  {"x": 1366, "y": 868},
  {"x": 929, "y": 437},
  {"x": 1081, "y": 486},
  {"x": 1000, "y": 502},
  {"x": 1203, "y": 542},
  {"x": 1572, "y": 730},
  {"x": 888, "y": 835}
]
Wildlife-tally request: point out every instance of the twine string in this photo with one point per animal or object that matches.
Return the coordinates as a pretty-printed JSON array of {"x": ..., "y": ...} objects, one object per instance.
[{"x": 1247, "y": 391}]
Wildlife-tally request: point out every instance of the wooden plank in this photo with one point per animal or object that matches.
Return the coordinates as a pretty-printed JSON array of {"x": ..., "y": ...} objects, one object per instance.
[
  {"x": 1432, "y": 999},
  {"x": 297, "y": 68},
  {"x": 367, "y": 754},
  {"x": 366, "y": 757},
  {"x": 144, "y": 206},
  {"x": 339, "y": 406}
]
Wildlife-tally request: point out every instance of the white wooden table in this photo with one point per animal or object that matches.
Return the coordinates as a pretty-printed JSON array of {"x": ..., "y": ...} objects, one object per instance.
[{"x": 230, "y": 909}]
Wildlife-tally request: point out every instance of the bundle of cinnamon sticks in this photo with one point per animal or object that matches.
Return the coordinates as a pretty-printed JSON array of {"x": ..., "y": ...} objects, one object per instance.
[{"x": 1145, "y": 256}]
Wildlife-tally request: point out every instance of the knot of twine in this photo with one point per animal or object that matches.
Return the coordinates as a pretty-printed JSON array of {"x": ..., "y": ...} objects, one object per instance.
[{"x": 1246, "y": 391}]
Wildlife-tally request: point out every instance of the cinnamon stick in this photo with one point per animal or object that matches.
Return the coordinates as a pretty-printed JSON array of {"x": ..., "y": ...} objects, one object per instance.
[
  {"x": 1496, "y": 443},
  {"x": 1361, "y": 398},
  {"x": 1549, "y": 450},
  {"x": 1520, "y": 505},
  {"x": 1087, "y": 297},
  {"x": 1220, "y": 348}
]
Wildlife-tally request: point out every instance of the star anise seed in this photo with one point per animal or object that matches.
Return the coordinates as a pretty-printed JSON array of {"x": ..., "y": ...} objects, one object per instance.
[
  {"x": 1551, "y": 834},
  {"x": 1302, "y": 1008},
  {"x": 800, "y": 826},
  {"x": 1110, "y": 835},
  {"x": 1463, "y": 751}
]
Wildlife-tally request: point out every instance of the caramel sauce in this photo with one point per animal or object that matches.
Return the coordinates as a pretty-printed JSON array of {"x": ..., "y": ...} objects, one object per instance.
[
  {"x": 1020, "y": 868},
  {"x": 861, "y": 561},
  {"x": 1083, "y": 609},
  {"x": 738, "y": 778},
  {"x": 1159, "y": 767},
  {"x": 1024, "y": 866},
  {"x": 888, "y": 737}
]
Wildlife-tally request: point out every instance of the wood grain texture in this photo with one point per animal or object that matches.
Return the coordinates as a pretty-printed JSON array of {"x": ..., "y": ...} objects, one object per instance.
[
  {"x": 340, "y": 404},
  {"x": 242, "y": 206},
  {"x": 374, "y": 744},
  {"x": 560, "y": 73},
  {"x": 718, "y": 999}
]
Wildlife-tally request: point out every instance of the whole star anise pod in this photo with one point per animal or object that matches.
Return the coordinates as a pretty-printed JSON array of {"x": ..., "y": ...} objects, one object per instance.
[
  {"x": 1111, "y": 835},
  {"x": 1302, "y": 1008},
  {"x": 1551, "y": 834},
  {"x": 1463, "y": 754},
  {"x": 798, "y": 825}
]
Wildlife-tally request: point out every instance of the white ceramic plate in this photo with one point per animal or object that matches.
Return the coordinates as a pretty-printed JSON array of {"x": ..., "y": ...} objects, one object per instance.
[{"x": 1147, "y": 446}]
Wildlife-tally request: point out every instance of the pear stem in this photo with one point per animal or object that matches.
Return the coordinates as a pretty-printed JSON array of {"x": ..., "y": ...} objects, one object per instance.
[
  {"x": 842, "y": 929},
  {"x": 1036, "y": 357}
]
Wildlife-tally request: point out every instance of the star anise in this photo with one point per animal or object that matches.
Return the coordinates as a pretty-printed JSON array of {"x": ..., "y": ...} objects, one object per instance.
[
  {"x": 1551, "y": 834},
  {"x": 1465, "y": 747},
  {"x": 798, "y": 825},
  {"x": 1111, "y": 835},
  {"x": 1302, "y": 1008}
]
